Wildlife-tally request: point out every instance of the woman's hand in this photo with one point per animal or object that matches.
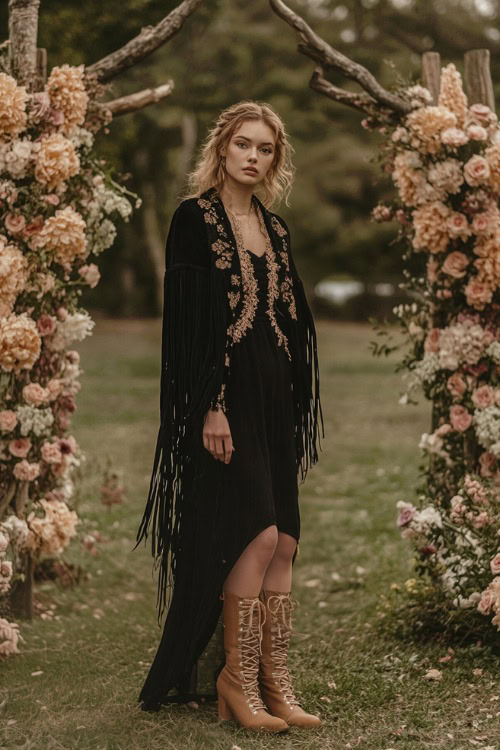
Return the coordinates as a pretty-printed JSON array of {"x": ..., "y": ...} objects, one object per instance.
[{"x": 217, "y": 435}]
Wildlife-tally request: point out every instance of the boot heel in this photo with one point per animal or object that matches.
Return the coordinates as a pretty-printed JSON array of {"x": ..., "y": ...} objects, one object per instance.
[{"x": 224, "y": 712}]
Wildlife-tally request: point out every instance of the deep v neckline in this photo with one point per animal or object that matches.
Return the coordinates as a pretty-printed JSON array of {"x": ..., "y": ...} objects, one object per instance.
[{"x": 255, "y": 254}]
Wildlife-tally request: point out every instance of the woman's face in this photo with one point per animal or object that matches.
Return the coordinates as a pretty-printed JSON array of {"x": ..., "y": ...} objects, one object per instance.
[{"x": 251, "y": 145}]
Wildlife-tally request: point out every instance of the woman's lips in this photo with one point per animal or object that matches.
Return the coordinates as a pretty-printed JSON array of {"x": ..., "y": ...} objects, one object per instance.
[{"x": 250, "y": 169}]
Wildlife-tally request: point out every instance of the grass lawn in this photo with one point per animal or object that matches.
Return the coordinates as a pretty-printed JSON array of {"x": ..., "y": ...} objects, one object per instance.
[{"x": 75, "y": 682}]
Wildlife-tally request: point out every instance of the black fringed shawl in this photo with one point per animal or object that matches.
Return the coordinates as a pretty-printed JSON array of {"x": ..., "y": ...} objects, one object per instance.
[{"x": 207, "y": 307}]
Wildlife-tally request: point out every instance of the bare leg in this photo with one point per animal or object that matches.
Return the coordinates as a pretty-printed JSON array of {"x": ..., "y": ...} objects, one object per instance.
[
  {"x": 278, "y": 575},
  {"x": 247, "y": 574}
]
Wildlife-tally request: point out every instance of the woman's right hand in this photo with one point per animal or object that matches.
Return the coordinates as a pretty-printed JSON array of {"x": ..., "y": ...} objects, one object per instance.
[{"x": 217, "y": 435}]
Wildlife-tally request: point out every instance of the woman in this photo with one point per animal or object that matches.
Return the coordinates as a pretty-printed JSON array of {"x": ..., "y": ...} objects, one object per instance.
[{"x": 239, "y": 418}]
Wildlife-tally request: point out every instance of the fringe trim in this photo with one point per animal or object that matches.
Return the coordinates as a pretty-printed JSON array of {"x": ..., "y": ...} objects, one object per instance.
[
  {"x": 192, "y": 368},
  {"x": 308, "y": 410}
]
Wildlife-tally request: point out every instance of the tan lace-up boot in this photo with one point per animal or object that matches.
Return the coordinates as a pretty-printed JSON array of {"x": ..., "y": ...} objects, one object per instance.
[
  {"x": 237, "y": 687},
  {"x": 274, "y": 677}
]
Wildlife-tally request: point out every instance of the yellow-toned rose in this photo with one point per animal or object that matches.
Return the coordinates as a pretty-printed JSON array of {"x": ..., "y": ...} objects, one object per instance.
[
  {"x": 67, "y": 94},
  {"x": 56, "y": 160},
  {"x": 12, "y": 107}
]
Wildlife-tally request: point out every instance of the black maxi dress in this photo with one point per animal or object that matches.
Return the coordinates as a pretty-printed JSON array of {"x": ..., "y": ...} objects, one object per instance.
[{"x": 226, "y": 506}]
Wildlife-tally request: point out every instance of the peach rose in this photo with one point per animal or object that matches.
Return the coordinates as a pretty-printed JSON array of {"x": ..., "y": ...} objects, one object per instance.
[
  {"x": 478, "y": 294},
  {"x": 477, "y": 133},
  {"x": 431, "y": 343},
  {"x": 51, "y": 453},
  {"x": 25, "y": 471},
  {"x": 54, "y": 387},
  {"x": 457, "y": 225},
  {"x": 35, "y": 394},
  {"x": 455, "y": 264},
  {"x": 8, "y": 420},
  {"x": 90, "y": 273},
  {"x": 52, "y": 198},
  {"x": 456, "y": 385},
  {"x": 481, "y": 223},
  {"x": 14, "y": 223},
  {"x": 20, "y": 447},
  {"x": 476, "y": 170},
  {"x": 486, "y": 602},
  {"x": 460, "y": 418},
  {"x": 483, "y": 397},
  {"x": 495, "y": 564}
]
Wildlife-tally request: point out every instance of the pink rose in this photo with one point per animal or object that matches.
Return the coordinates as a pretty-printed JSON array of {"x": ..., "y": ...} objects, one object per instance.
[
  {"x": 431, "y": 343},
  {"x": 25, "y": 471},
  {"x": 62, "y": 313},
  {"x": 476, "y": 170},
  {"x": 481, "y": 224},
  {"x": 46, "y": 324},
  {"x": 477, "y": 133},
  {"x": 486, "y": 602},
  {"x": 20, "y": 447},
  {"x": 8, "y": 420},
  {"x": 51, "y": 453},
  {"x": 478, "y": 294},
  {"x": 54, "y": 387},
  {"x": 460, "y": 418},
  {"x": 14, "y": 223},
  {"x": 457, "y": 225},
  {"x": 481, "y": 112},
  {"x": 405, "y": 515},
  {"x": 90, "y": 273},
  {"x": 34, "y": 394},
  {"x": 51, "y": 198},
  {"x": 456, "y": 385},
  {"x": 495, "y": 564},
  {"x": 487, "y": 462},
  {"x": 483, "y": 397},
  {"x": 479, "y": 521},
  {"x": 455, "y": 264}
]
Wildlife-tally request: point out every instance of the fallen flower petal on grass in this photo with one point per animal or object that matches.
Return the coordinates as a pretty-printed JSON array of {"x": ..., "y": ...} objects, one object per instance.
[{"x": 433, "y": 674}]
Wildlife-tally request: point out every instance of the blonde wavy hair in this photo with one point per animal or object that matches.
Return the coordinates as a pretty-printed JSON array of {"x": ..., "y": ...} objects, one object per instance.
[{"x": 209, "y": 170}]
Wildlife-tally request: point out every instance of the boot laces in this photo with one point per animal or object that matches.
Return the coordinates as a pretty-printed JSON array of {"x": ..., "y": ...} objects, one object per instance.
[
  {"x": 282, "y": 626},
  {"x": 253, "y": 616}
]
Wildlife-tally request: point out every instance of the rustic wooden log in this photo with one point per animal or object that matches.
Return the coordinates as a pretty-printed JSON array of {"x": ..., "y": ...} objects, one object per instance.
[{"x": 478, "y": 85}]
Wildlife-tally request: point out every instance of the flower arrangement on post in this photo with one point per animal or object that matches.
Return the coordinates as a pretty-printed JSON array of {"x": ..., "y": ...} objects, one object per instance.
[
  {"x": 445, "y": 163},
  {"x": 58, "y": 205}
]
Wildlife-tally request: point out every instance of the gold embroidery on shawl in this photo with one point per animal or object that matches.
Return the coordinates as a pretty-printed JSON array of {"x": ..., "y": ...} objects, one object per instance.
[
  {"x": 278, "y": 226},
  {"x": 249, "y": 284},
  {"x": 234, "y": 298},
  {"x": 272, "y": 283}
]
